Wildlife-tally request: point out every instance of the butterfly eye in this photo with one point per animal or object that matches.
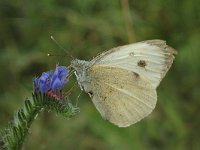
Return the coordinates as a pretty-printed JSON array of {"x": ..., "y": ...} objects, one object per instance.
[{"x": 90, "y": 94}]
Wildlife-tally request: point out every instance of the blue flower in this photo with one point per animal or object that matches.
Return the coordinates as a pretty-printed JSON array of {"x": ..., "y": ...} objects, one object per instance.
[
  {"x": 45, "y": 81},
  {"x": 51, "y": 81},
  {"x": 59, "y": 78}
]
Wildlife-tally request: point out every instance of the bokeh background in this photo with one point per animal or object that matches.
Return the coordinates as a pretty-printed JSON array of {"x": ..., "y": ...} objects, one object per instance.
[{"x": 86, "y": 28}]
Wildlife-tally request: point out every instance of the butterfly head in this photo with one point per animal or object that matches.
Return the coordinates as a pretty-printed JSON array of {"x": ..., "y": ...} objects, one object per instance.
[{"x": 80, "y": 67}]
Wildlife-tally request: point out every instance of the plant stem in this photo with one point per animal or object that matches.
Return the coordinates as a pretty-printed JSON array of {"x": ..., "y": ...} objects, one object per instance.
[{"x": 13, "y": 136}]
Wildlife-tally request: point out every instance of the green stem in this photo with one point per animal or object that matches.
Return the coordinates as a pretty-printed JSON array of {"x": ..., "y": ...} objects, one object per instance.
[{"x": 13, "y": 136}]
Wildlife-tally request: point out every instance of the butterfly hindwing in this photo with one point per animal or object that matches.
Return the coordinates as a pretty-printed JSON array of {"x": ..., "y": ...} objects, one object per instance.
[{"x": 122, "y": 97}]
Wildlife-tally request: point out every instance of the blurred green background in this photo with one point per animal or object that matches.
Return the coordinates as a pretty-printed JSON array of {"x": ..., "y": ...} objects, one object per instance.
[{"x": 86, "y": 28}]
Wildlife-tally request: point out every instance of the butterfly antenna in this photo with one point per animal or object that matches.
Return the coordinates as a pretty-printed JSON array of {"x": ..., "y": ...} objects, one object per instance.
[
  {"x": 48, "y": 54},
  {"x": 60, "y": 48},
  {"x": 52, "y": 54}
]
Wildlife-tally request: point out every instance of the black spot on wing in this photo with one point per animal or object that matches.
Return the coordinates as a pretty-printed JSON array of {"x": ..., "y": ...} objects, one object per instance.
[{"x": 142, "y": 63}]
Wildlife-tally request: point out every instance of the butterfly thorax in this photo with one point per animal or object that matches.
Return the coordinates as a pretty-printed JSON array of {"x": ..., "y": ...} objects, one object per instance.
[{"x": 81, "y": 67}]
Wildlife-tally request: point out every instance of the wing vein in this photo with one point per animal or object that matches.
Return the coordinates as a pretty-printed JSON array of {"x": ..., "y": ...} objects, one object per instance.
[{"x": 124, "y": 91}]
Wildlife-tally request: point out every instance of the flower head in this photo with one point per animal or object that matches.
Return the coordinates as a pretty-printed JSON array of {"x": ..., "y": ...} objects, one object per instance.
[
  {"x": 44, "y": 81},
  {"x": 59, "y": 78},
  {"x": 51, "y": 82}
]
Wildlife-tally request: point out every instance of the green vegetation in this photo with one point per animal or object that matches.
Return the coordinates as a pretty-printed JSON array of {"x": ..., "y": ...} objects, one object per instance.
[
  {"x": 13, "y": 136},
  {"x": 86, "y": 28}
]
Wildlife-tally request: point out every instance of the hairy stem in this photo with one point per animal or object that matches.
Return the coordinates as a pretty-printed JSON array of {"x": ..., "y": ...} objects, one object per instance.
[{"x": 13, "y": 136}]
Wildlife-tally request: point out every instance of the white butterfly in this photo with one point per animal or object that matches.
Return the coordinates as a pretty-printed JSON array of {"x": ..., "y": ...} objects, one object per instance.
[{"x": 122, "y": 81}]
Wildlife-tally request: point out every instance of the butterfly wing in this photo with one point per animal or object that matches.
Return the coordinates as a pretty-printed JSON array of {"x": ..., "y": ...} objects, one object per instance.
[
  {"x": 150, "y": 59},
  {"x": 124, "y": 80},
  {"x": 121, "y": 96}
]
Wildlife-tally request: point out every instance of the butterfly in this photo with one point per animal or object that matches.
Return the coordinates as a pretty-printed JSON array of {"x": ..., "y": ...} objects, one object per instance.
[{"x": 122, "y": 81}]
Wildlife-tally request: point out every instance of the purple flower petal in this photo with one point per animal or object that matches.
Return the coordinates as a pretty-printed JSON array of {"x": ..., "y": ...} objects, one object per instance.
[
  {"x": 59, "y": 76},
  {"x": 51, "y": 81},
  {"x": 56, "y": 84},
  {"x": 45, "y": 81},
  {"x": 61, "y": 72}
]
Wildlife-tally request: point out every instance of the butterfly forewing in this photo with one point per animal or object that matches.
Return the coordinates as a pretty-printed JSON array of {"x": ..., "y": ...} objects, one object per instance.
[{"x": 150, "y": 59}]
